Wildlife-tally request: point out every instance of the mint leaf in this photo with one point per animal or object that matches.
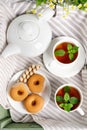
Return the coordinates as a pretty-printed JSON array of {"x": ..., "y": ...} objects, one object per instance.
[
  {"x": 74, "y": 100},
  {"x": 44, "y": 1},
  {"x": 59, "y": 99},
  {"x": 62, "y": 105},
  {"x": 71, "y": 56},
  {"x": 38, "y": 2},
  {"x": 66, "y": 89},
  {"x": 69, "y": 47},
  {"x": 75, "y": 49},
  {"x": 67, "y": 107},
  {"x": 66, "y": 97},
  {"x": 59, "y": 52}
]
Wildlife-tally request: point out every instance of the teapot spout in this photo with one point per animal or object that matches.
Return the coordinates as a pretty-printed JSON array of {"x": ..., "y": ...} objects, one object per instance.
[{"x": 10, "y": 49}]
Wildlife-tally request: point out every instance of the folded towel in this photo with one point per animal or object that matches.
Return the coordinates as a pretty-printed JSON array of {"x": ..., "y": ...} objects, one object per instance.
[{"x": 50, "y": 118}]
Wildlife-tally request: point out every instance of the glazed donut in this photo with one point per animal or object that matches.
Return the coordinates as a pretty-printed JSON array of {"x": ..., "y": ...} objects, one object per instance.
[
  {"x": 19, "y": 91},
  {"x": 34, "y": 103},
  {"x": 36, "y": 83}
]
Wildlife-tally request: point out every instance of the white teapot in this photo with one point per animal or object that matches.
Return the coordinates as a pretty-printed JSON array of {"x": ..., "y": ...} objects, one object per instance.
[{"x": 29, "y": 35}]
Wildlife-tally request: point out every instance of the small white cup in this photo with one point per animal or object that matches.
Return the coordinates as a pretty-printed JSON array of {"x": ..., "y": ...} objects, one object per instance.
[
  {"x": 78, "y": 109},
  {"x": 76, "y": 43},
  {"x": 69, "y": 69}
]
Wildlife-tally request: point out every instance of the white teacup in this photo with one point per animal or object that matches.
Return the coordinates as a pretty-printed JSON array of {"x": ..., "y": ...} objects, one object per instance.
[
  {"x": 68, "y": 69},
  {"x": 78, "y": 108}
]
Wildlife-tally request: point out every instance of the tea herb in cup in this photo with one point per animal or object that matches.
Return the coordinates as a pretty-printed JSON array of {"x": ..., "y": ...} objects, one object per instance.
[
  {"x": 67, "y": 101},
  {"x": 71, "y": 51}
]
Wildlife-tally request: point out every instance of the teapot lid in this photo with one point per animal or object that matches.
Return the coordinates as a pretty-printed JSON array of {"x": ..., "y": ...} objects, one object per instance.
[{"x": 28, "y": 30}]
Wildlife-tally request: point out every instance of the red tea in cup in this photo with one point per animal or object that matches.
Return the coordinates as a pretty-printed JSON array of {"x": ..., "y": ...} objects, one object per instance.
[
  {"x": 69, "y": 98},
  {"x": 71, "y": 93},
  {"x": 66, "y": 52}
]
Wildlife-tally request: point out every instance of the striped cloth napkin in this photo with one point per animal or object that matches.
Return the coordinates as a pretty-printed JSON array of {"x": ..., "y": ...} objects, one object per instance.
[{"x": 50, "y": 118}]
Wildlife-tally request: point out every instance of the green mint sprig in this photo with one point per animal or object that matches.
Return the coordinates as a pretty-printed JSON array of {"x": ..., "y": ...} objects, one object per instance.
[
  {"x": 60, "y": 52},
  {"x": 66, "y": 106},
  {"x": 71, "y": 50},
  {"x": 81, "y": 4},
  {"x": 39, "y": 2},
  {"x": 66, "y": 97},
  {"x": 59, "y": 99},
  {"x": 67, "y": 89},
  {"x": 67, "y": 102}
]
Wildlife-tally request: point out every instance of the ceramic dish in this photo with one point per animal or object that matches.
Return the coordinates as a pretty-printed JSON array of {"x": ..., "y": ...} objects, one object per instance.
[
  {"x": 32, "y": 36},
  {"x": 18, "y": 106}
]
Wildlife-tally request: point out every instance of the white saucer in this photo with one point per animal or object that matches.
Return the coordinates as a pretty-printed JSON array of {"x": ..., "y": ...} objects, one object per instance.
[
  {"x": 18, "y": 106},
  {"x": 55, "y": 68}
]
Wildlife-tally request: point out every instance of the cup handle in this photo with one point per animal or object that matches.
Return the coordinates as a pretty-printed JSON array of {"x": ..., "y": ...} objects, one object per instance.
[{"x": 80, "y": 111}]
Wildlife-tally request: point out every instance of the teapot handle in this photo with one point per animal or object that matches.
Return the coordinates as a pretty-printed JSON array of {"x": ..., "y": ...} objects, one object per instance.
[
  {"x": 10, "y": 49},
  {"x": 46, "y": 14}
]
